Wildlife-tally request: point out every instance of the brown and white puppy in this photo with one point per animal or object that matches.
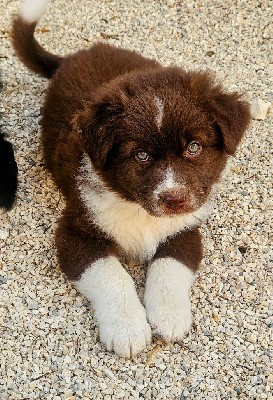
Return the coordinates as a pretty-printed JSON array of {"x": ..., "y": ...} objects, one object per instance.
[{"x": 137, "y": 150}]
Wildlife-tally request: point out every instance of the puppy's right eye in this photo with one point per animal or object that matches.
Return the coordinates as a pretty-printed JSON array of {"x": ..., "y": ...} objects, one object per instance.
[{"x": 142, "y": 156}]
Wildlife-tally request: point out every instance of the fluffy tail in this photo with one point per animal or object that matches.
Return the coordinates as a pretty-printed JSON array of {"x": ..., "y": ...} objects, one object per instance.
[{"x": 27, "y": 48}]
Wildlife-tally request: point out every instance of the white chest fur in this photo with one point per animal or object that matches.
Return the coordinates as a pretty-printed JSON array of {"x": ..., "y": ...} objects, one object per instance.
[{"x": 129, "y": 224}]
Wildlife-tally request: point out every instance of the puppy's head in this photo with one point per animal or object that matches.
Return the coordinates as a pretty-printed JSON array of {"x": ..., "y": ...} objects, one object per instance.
[{"x": 161, "y": 138}]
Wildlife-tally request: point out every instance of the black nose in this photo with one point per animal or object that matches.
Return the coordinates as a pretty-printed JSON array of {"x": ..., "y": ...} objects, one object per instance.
[{"x": 173, "y": 200}]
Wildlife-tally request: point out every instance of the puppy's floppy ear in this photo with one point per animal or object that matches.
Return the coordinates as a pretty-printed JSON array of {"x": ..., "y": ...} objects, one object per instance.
[
  {"x": 95, "y": 127},
  {"x": 230, "y": 114}
]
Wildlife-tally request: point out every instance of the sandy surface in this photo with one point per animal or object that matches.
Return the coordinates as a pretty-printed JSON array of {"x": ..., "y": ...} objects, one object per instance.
[{"x": 49, "y": 338}]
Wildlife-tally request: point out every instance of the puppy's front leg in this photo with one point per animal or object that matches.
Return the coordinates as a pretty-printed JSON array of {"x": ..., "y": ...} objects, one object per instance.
[
  {"x": 169, "y": 280},
  {"x": 91, "y": 264}
]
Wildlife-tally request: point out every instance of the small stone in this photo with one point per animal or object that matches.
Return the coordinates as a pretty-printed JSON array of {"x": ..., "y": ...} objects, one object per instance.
[
  {"x": 236, "y": 170},
  {"x": 238, "y": 390},
  {"x": 103, "y": 386},
  {"x": 259, "y": 108},
  {"x": 110, "y": 374},
  {"x": 33, "y": 306},
  {"x": 170, "y": 3},
  {"x": 270, "y": 69},
  {"x": 44, "y": 228},
  {"x": 252, "y": 338},
  {"x": 270, "y": 378},
  {"x": 216, "y": 318},
  {"x": 222, "y": 348},
  {"x": 3, "y": 280},
  {"x": 240, "y": 321},
  {"x": 242, "y": 249},
  {"x": 210, "y": 53},
  {"x": 4, "y": 234}
]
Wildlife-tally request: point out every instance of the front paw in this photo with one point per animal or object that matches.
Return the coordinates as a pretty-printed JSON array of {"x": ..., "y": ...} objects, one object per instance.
[
  {"x": 166, "y": 298},
  {"x": 121, "y": 317},
  {"x": 170, "y": 318},
  {"x": 125, "y": 331}
]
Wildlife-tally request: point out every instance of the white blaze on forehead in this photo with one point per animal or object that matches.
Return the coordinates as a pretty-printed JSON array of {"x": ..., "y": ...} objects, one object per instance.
[
  {"x": 160, "y": 110},
  {"x": 32, "y": 10}
]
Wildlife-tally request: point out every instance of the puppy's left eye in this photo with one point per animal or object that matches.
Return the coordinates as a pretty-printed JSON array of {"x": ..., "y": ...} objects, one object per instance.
[
  {"x": 193, "y": 149},
  {"x": 142, "y": 156}
]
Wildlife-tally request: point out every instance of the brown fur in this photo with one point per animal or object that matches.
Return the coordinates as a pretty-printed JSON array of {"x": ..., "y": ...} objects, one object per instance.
[
  {"x": 185, "y": 247},
  {"x": 100, "y": 102},
  {"x": 80, "y": 243},
  {"x": 30, "y": 52}
]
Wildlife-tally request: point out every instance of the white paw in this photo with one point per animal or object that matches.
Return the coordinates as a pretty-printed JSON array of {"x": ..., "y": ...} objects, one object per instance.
[
  {"x": 121, "y": 317},
  {"x": 170, "y": 319},
  {"x": 127, "y": 332},
  {"x": 166, "y": 298}
]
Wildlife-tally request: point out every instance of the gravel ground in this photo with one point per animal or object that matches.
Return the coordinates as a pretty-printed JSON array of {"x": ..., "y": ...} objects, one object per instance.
[{"x": 49, "y": 345}]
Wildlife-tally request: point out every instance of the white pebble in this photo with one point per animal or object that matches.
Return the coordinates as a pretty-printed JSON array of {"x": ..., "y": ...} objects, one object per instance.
[{"x": 259, "y": 108}]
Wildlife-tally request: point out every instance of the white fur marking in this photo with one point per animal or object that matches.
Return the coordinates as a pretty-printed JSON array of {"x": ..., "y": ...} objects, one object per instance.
[
  {"x": 170, "y": 178},
  {"x": 167, "y": 299},
  {"x": 120, "y": 315},
  {"x": 32, "y": 10},
  {"x": 168, "y": 182},
  {"x": 160, "y": 107},
  {"x": 136, "y": 231}
]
